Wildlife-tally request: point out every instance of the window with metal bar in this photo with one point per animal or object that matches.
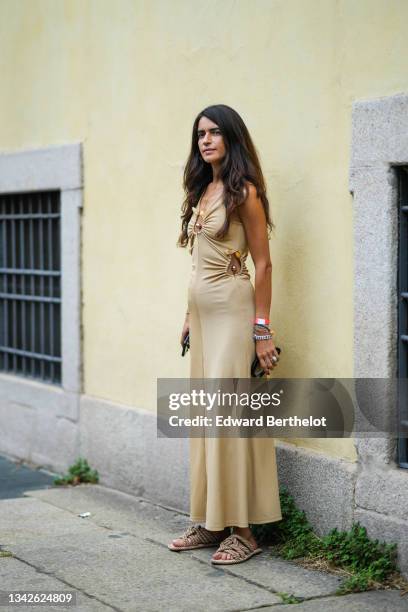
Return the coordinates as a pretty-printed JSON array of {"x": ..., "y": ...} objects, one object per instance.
[
  {"x": 402, "y": 173},
  {"x": 30, "y": 285}
]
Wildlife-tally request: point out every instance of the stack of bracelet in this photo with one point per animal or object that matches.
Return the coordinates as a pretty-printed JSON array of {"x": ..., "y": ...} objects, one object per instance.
[{"x": 262, "y": 325}]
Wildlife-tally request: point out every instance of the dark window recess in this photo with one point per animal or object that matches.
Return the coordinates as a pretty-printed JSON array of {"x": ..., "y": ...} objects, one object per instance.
[
  {"x": 402, "y": 172},
  {"x": 30, "y": 285}
]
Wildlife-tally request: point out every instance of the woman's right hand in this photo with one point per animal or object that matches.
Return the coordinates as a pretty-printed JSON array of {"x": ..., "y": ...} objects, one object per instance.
[{"x": 186, "y": 329}]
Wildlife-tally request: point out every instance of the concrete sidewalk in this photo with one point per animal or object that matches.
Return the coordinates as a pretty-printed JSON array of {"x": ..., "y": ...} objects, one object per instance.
[{"x": 117, "y": 559}]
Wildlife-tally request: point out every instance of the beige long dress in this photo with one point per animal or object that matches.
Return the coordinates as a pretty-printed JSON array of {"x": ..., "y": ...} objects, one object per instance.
[{"x": 233, "y": 480}]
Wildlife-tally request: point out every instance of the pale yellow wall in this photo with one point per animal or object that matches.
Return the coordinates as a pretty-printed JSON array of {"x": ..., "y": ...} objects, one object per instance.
[{"x": 127, "y": 78}]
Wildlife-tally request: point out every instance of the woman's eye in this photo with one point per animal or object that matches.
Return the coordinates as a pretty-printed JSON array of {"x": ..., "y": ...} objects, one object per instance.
[{"x": 215, "y": 132}]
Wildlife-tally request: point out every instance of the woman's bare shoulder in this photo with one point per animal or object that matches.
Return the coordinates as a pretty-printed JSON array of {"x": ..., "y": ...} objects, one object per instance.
[
  {"x": 252, "y": 199},
  {"x": 250, "y": 191}
]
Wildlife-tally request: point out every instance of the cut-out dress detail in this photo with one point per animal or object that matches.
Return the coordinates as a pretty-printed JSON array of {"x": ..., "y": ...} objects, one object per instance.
[
  {"x": 234, "y": 266},
  {"x": 233, "y": 480}
]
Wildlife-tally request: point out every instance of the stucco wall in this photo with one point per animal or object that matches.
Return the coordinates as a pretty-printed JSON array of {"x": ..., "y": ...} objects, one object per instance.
[{"x": 127, "y": 79}]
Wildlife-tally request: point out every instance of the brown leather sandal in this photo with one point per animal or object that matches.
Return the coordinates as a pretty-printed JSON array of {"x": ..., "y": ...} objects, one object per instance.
[
  {"x": 197, "y": 536},
  {"x": 238, "y": 547}
]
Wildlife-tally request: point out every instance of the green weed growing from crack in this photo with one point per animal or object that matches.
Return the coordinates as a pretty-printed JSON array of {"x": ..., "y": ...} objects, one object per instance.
[
  {"x": 79, "y": 472},
  {"x": 289, "y": 598}
]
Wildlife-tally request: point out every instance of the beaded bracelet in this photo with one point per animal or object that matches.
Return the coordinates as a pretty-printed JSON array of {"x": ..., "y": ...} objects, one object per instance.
[
  {"x": 271, "y": 331},
  {"x": 262, "y": 326},
  {"x": 262, "y": 337}
]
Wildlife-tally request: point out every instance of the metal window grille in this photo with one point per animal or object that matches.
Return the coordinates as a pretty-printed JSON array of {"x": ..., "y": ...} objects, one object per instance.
[
  {"x": 402, "y": 173},
  {"x": 30, "y": 285}
]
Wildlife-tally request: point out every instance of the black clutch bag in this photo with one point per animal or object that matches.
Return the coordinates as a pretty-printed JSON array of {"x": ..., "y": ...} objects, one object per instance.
[
  {"x": 186, "y": 345},
  {"x": 256, "y": 369}
]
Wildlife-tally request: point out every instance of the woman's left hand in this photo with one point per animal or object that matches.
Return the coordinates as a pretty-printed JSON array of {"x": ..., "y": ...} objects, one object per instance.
[{"x": 266, "y": 352}]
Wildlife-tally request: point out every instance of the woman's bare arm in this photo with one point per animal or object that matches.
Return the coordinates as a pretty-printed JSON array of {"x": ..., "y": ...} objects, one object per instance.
[{"x": 253, "y": 217}]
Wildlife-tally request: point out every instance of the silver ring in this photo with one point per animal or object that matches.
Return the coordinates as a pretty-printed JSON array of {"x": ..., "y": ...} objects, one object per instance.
[{"x": 274, "y": 358}]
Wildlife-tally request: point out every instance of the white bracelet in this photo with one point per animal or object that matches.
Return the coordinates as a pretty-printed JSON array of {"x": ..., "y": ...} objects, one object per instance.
[{"x": 262, "y": 337}]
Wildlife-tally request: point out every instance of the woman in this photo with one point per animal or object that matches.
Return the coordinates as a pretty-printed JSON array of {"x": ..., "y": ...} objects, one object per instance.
[{"x": 226, "y": 215}]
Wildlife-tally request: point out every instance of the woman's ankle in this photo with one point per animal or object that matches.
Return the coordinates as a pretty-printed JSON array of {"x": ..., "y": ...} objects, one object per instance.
[
  {"x": 218, "y": 530},
  {"x": 244, "y": 531}
]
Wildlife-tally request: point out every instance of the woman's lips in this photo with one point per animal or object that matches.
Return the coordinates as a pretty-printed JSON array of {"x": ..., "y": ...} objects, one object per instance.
[{"x": 209, "y": 151}]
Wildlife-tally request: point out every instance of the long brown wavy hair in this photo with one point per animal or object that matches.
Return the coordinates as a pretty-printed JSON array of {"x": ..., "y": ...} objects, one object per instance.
[{"x": 240, "y": 164}]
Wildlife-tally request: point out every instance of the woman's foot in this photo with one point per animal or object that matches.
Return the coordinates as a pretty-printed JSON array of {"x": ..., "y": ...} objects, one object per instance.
[
  {"x": 198, "y": 536},
  {"x": 246, "y": 533}
]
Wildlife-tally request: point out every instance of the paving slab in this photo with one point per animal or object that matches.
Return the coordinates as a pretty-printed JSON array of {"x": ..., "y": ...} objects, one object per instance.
[
  {"x": 282, "y": 576},
  {"x": 110, "y": 508},
  {"x": 16, "y": 575}
]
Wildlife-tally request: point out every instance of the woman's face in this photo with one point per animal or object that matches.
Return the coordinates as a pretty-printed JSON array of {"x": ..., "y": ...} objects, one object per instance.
[{"x": 210, "y": 137}]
